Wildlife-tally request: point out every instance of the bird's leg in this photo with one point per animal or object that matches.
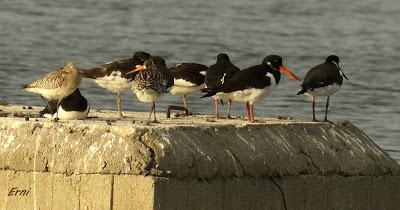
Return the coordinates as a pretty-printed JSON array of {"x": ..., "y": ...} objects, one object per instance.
[
  {"x": 185, "y": 104},
  {"x": 228, "y": 115},
  {"x": 313, "y": 109},
  {"x": 251, "y": 113},
  {"x": 154, "y": 111},
  {"x": 151, "y": 112},
  {"x": 185, "y": 101},
  {"x": 216, "y": 108},
  {"x": 326, "y": 110},
  {"x": 58, "y": 104},
  {"x": 248, "y": 110},
  {"x": 119, "y": 104}
]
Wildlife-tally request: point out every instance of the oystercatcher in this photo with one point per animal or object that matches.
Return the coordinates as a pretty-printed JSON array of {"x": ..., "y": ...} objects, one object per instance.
[
  {"x": 216, "y": 75},
  {"x": 112, "y": 76},
  {"x": 152, "y": 80},
  {"x": 188, "y": 79},
  {"x": 56, "y": 85},
  {"x": 253, "y": 83},
  {"x": 72, "y": 107},
  {"x": 323, "y": 80}
]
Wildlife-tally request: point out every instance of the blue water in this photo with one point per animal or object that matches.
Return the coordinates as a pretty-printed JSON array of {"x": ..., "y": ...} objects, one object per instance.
[{"x": 41, "y": 35}]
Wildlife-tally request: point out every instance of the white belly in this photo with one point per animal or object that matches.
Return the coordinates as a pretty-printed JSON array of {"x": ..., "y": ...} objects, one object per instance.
[
  {"x": 251, "y": 95},
  {"x": 114, "y": 82},
  {"x": 55, "y": 93},
  {"x": 69, "y": 115},
  {"x": 324, "y": 91},
  {"x": 147, "y": 95},
  {"x": 179, "y": 90}
]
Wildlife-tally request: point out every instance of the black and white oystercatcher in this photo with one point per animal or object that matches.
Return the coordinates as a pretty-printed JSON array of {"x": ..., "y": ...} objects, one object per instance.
[
  {"x": 188, "y": 79},
  {"x": 152, "y": 80},
  {"x": 323, "y": 80},
  {"x": 72, "y": 107},
  {"x": 216, "y": 75},
  {"x": 253, "y": 83},
  {"x": 112, "y": 76},
  {"x": 56, "y": 85}
]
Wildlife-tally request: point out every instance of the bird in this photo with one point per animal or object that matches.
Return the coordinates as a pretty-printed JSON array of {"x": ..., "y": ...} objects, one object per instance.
[
  {"x": 323, "y": 80},
  {"x": 188, "y": 79},
  {"x": 152, "y": 80},
  {"x": 72, "y": 107},
  {"x": 112, "y": 75},
  {"x": 216, "y": 75},
  {"x": 254, "y": 83},
  {"x": 56, "y": 85}
]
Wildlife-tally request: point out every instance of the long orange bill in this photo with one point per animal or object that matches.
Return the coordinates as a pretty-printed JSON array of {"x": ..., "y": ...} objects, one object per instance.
[
  {"x": 289, "y": 73},
  {"x": 140, "y": 68}
]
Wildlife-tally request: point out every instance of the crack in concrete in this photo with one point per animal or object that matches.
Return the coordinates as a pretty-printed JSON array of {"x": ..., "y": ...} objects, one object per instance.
[{"x": 310, "y": 160}]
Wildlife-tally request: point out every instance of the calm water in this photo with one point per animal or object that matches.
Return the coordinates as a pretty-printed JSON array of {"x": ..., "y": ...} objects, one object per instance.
[{"x": 41, "y": 35}]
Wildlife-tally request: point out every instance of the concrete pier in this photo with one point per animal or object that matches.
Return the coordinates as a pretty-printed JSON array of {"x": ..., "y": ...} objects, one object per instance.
[{"x": 190, "y": 163}]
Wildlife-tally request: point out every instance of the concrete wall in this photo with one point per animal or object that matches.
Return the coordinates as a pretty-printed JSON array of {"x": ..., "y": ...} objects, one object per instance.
[{"x": 193, "y": 164}]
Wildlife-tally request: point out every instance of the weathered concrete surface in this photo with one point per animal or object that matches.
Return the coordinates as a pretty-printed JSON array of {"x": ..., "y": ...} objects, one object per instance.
[
  {"x": 94, "y": 191},
  {"x": 191, "y": 163}
]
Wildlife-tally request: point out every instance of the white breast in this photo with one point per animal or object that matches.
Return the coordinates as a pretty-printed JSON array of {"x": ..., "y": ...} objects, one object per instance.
[
  {"x": 114, "y": 82},
  {"x": 324, "y": 91}
]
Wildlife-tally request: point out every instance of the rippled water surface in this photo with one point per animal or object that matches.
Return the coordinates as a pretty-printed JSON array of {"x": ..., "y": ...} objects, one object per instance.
[{"x": 41, "y": 35}]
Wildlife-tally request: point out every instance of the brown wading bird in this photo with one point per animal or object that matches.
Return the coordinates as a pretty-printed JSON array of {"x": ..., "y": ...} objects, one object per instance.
[
  {"x": 112, "y": 76},
  {"x": 216, "y": 75},
  {"x": 188, "y": 79},
  {"x": 323, "y": 80},
  {"x": 56, "y": 85},
  {"x": 253, "y": 83},
  {"x": 152, "y": 80}
]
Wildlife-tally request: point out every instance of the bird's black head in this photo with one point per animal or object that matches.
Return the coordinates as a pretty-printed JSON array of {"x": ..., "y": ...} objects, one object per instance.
[
  {"x": 273, "y": 61},
  {"x": 333, "y": 59},
  {"x": 222, "y": 57},
  {"x": 148, "y": 63},
  {"x": 141, "y": 56},
  {"x": 159, "y": 61}
]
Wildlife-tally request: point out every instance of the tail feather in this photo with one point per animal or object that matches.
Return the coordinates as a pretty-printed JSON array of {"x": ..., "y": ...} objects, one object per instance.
[
  {"x": 209, "y": 94},
  {"x": 302, "y": 91},
  {"x": 25, "y": 86}
]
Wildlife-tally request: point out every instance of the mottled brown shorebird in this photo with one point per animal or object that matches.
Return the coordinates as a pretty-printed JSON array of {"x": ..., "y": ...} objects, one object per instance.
[
  {"x": 112, "y": 75},
  {"x": 153, "y": 79},
  {"x": 56, "y": 85}
]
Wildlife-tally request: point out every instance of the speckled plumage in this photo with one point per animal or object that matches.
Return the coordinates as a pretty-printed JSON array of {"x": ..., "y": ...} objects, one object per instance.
[
  {"x": 152, "y": 80},
  {"x": 156, "y": 78},
  {"x": 57, "y": 84}
]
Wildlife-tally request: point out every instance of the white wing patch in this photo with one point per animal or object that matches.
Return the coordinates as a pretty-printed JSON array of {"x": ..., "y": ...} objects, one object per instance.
[{"x": 223, "y": 79}]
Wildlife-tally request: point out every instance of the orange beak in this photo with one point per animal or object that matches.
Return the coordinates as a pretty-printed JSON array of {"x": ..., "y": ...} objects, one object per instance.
[
  {"x": 289, "y": 73},
  {"x": 140, "y": 68}
]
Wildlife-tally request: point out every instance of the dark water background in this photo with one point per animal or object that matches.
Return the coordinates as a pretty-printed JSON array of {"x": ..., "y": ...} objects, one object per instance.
[{"x": 41, "y": 35}]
